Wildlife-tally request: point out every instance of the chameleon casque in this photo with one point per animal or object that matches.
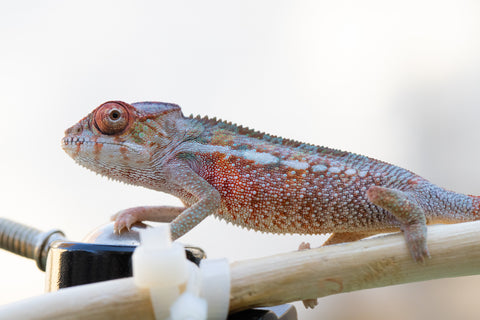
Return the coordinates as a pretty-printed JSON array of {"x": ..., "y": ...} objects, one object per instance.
[{"x": 256, "y": 180}]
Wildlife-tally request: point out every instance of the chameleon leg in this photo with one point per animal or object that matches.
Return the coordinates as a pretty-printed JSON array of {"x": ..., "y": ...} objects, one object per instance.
[
  {"x": 408, "y": 213},
  {"x": 209, "y": 200},
  {"x": 128, "y": 217},
  {"x": 308, "y": 303},
  {"x": 337, "y": 237},
  {"x": 340, "y": 237},
  {"x": 181, "y": 219}
]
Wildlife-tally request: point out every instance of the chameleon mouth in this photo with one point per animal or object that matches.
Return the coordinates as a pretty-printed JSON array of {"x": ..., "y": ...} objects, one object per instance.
[
  {"x": 70, "y": 142},
  {"x": 74, "y": 140}
]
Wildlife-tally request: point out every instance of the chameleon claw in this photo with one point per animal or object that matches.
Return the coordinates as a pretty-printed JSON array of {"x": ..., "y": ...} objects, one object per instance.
[
  {"x": 420, "y": 255},
  {"x": 310, "y": 303},
  {"x": 304, "y": 246},
  {"x": 125, "y": 219}
]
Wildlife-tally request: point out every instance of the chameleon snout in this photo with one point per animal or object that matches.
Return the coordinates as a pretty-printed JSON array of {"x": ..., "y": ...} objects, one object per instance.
[{"x": 74, "y": 130}]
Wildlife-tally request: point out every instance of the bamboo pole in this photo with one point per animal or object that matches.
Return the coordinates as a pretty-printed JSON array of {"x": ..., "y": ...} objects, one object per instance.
[{"x": 287, "y": 277}]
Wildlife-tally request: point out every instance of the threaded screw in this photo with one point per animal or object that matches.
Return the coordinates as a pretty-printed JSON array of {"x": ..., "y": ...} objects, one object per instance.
[{"x": 26, "y": 241}]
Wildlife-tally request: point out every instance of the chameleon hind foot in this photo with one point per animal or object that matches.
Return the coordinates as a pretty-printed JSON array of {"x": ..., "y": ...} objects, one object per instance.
[
  {"x": 410, "y": 215},
  {"x": 308, "y": 303}
]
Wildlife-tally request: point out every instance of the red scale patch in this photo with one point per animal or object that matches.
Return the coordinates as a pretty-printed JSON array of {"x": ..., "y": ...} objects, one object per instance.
[{"x": 259, "y": 196}]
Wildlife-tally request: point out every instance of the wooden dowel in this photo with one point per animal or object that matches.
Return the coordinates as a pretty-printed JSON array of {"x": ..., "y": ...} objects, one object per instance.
[
  {"x": 376, "y": 262},
  {"x": 370, "y": 263},
  {"x": 114, "y": 299}
]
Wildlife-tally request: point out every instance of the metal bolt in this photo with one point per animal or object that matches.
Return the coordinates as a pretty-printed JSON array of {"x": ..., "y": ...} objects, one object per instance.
[{"x": 26, "y": 241}]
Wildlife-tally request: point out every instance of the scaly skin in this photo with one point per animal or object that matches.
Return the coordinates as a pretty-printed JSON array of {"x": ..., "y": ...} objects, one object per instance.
[{"x": 256, "y": 180}]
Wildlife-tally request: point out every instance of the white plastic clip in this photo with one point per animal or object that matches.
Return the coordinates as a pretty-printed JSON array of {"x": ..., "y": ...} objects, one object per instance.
[
  {"x": 215, "y": 287},
  {"x": 189, "y": 305},
  {"x": 178, "y": 288},
  {"x": 160, "y": 266}
]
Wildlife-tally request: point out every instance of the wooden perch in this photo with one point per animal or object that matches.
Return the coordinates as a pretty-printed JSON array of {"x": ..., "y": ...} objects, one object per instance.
[{"x": 287, "y": 277}]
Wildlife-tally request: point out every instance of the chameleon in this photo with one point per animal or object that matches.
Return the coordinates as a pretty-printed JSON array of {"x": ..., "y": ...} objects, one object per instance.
[{"x": 257, "y": 180}]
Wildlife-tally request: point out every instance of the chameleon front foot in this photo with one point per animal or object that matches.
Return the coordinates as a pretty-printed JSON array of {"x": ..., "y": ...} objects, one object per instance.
[{"x": 125, "y": 219}]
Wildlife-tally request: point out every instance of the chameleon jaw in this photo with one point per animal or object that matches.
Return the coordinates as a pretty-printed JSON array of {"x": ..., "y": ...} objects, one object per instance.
[{"x": 83, "y": 149}]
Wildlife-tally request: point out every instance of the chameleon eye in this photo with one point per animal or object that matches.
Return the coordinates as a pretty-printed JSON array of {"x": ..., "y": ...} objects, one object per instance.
[{"x": 111, "y": 118}]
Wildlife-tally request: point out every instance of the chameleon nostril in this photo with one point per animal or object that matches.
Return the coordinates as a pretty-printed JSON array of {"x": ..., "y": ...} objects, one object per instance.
[{"x": 76, "y": 129}]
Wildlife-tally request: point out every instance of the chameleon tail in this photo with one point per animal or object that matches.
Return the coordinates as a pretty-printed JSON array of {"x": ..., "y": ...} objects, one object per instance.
[{"x": 450, "y": 207}]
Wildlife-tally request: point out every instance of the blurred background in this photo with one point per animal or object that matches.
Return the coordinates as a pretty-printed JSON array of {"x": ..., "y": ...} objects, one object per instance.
[{"x": 398, "y": 81}]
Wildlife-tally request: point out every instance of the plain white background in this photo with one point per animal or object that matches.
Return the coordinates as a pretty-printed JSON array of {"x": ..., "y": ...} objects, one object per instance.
[{"x": 398, "y": 81}]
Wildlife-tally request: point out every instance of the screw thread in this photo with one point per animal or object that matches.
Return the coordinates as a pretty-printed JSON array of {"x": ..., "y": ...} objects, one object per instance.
[
  {"x": 18, "y": 238},
  {"x": 26, "y": 241}
]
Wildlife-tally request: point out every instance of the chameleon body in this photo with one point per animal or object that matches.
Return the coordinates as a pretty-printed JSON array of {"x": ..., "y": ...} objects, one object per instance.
[{"x": 256, "y": 180}]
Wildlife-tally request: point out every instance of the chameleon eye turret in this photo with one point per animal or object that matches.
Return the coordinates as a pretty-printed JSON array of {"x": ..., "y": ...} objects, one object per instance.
[{"x": 112, "y": 117}]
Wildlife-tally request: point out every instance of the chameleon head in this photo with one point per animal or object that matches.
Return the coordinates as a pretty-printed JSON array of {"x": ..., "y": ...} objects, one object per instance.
[{"x": 118, "y": 139}]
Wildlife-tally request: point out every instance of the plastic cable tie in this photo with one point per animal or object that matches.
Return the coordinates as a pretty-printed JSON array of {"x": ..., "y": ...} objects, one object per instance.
[
  {"x": 161, "y": 267},
  {"x": 194, "y": 279},
  {"x": 189, "y": 306},
  {"x": 215, "y": 287}
]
